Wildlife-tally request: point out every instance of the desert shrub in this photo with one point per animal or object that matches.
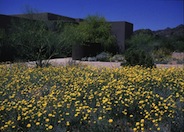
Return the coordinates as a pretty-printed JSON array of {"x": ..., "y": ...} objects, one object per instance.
[
  {"x": 162, "y": 55},
  {"x": 94, "y": 29},
  {"x": 141, "y": 41},
  {"x": 84, "y": 59},
  {"x": 91, "y": 58},
  {"x": 138, "y": 57},
  {"x": 118, "y": 58},
  {"x": 33, "y": 41},
  {"x": 104, "y": 56}
]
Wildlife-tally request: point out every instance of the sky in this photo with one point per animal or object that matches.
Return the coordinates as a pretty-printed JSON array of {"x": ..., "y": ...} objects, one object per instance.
[{"x": 144, "y": 14}]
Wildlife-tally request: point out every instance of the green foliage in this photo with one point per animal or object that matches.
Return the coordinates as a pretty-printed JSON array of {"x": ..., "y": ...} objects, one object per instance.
[
  {"x": 68, "y": 37},
  {"x": 160, "y": 47},
  {"x": 141, "y": 41},
  {"x": 138, "y": 57},
  {"x": 174, "y": 43},
  {"x": 33, "y": 41},
  {"x": 2, "y": 38},
  {"x": 104, "y": 56},
  {"x": 165, "y": 46},
  {"x": 161, "y": 55},
  {"x": 6, "y": 50},
  {"x": 118, "y": 58},
  {"x": 94, "y": 29},
  {"x": 2, "y": 34},
  {"x": 179, "y": 46}
]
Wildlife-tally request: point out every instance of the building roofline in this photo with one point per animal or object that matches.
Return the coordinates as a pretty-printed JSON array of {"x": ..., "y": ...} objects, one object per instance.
[
  {"x": 47, "y": 13},
  {"x": 119, "y": 22},
  {"x": 59, "y": 17}
]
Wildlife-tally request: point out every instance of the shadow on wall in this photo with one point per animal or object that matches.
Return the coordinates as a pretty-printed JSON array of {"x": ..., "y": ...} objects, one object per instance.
[{"x": 87, "y": 50}]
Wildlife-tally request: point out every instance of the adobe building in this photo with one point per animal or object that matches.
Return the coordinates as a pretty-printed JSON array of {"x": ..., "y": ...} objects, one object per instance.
[
  {"x": 5, "y": 21},
  {"x": 121, "y": 29}
]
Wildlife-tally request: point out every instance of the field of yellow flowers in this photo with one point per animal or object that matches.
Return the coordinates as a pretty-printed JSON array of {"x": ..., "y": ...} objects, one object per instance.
[{"x": 85, "y": 98}]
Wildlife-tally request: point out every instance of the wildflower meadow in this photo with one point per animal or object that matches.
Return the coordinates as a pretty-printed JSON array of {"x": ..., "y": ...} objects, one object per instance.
[{"x": 82, "y": 98}]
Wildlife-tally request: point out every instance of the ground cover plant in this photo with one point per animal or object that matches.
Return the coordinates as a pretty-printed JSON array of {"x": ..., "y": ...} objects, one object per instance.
[{"x": 91, "y": 99}]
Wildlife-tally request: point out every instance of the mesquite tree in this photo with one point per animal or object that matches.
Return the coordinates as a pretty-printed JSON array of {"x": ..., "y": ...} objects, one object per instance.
[{"x": 33, "y": 41}]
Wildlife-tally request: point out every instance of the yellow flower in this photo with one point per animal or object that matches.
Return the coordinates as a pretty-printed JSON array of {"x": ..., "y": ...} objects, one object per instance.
[
  {"x": 137, "y": 123},
  {"x": 67, "y": 123},
  {"x": 156, "y": 124},
  {"x": 135, "y": 129},
  {"x": 2, "y": 108},
  {"x": 50, "y": 127},
  {"x": 100, "y": 118},
  {"x": 39, "y": 114},
  {"x": 18, "y": 118},
  {"x": 85, "y": 117},
  {"x": 146, "y": 117},
  {"x": 5, "y": 126},
  {"x": 110, "y": 120},
  {"x": 28, "y": 125},
  {"x": 37, "y": 123},
  {"x": 49, "y": 115},
  {"x": 47, "y": 120},
  {"x": 59, "y": 105},
  {"x": 30, "y": 105},
  {"x": 142, "y": 124}
]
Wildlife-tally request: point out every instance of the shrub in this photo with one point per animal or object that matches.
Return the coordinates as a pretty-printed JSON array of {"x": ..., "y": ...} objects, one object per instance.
[
  {"x": 162, "y": 55},
  {"x": 118, "y": 58},
  {"x": 138, "y": 57},
  {"x": 104, "y": 56},
  {"x": 33, "y": 42},
  {"x": 91, "y": 58}
]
